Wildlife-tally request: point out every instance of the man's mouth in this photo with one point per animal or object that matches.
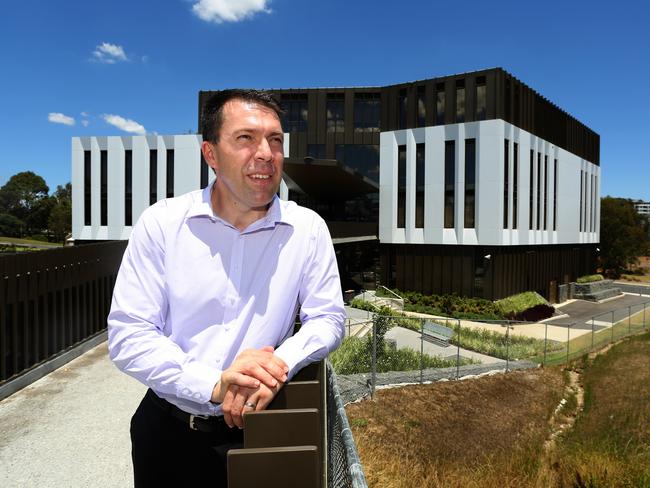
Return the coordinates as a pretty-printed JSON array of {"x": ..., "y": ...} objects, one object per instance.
[{"x": 260, "y": 177}]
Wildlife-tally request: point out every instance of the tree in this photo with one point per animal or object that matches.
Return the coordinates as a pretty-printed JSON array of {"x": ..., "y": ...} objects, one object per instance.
[
  {"x": 25, "y": 197},
  {"x": 60, "y": 219},
  {"x": 623, "y": 235}
]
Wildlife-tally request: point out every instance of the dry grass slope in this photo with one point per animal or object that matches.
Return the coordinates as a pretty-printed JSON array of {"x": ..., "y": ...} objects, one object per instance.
[{"x": 484, "y": 432}]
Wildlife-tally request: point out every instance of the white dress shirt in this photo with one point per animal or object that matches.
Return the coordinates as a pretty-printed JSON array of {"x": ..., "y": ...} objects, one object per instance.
[{"x": 193, "y": 292}]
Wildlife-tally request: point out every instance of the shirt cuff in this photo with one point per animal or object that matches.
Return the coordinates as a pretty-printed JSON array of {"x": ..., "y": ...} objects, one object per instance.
[{"x": 199, "y": 381}]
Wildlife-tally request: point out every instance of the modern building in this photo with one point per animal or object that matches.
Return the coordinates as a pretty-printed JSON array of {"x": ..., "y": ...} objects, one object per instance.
[
  {"x": 471, "y": 183},
  {"x": 642, "y": 208}
]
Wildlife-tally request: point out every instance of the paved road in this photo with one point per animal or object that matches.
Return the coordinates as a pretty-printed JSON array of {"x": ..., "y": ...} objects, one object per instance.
[
  {"x": 581, "y": 312},
  {"x": 70, "y": 428}
]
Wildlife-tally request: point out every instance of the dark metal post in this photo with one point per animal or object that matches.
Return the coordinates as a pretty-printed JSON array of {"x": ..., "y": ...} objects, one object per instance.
[
  {"x": 458, "y": 351},
  {"x": 612, "y": 325},
  {"x": 374, "y": 357},
  {"x": 507, "y": 346},
  {"x": 629, "y": 319},
  {"x": 592, "y": 333},
  {"x": 545, "y": 342},
  {"x": 568, "y": 337},
  {"x": 421, "y": 351}
]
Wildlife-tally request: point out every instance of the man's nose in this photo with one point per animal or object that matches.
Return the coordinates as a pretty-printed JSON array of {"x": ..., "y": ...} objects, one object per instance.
[{"x": 264, "y": 152}]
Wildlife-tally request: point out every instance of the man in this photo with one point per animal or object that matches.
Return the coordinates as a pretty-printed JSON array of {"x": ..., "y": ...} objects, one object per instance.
[{"x": 206, "y": 296}]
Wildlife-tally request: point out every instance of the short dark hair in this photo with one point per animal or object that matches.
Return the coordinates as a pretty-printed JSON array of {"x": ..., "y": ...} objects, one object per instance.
[{"x": 212, "y": 117}]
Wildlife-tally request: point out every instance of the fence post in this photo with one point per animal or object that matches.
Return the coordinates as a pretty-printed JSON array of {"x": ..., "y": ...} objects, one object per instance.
[
  {"x": 458, "y": 351},
  {"x": 644, "y": 314},
  {"x": 568, "y": 338},
  {"x": 545, "y": 342},
  {"x": 507, "y": 345},
  {"x": 421, "y": 351},
  {"x": 374, "y": 357},
  {"x": 612, "y": 325},
  {"x": 592, "y": 333},
  {"x": 629, "y": 320}
]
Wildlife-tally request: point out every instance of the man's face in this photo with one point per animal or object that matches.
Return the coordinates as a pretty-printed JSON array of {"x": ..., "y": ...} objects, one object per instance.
[{"x": 247, "y": 158}]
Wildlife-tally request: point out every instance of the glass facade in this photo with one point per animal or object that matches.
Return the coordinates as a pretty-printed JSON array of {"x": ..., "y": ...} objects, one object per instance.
[
  {"x": 153, "y": 176},
  {"x": 419, "y": 185},
  {"x": 170, "y": 173},
  {"x": 506, "y": 181},
  {"x": 539, "y": 188},
  {"x": 294, "y": 118},
  {"x": 402, "y": 103},
  {"x": 440, "y": 104},
  {"x": 87, "y": 187},
  {"x": 480, "y": 99},
  {"x": 545, "y": 191},
  {"x": 515, "y": 184},
  {"x": 531, "y": 189},
  {"x": 335, "y": 112},
  {"x": 460, "y": 101},
  {"x": 316, "y": 151},
  {"x": 555, "y": 194},
  {"x": 470, "y": 183},
  {"x": 128, "y": 190},
  {"x": 401, "y": 186},
  {"x": 367, "y": 112},
  {"x": 363, "y": 158},
  {"x": 422, "y": 107},
  {"x": 450, "y": 183},
  {"x": 103, "y": 188}
]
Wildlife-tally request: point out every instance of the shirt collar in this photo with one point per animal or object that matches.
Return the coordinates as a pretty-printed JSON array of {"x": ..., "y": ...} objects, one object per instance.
[{"x": 277, "y": 212}]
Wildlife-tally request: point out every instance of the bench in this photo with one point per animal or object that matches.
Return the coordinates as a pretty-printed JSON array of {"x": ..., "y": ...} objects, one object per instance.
[{"x": 438, "y": 333}]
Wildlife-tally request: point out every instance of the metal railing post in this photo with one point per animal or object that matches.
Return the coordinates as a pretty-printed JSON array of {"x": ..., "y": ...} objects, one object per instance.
[
  {"x": 644, "y": 314},
  {"x": 592, "y": 333},
  {"x": 374, "y": 357},
  {"x": 568, "y": 338},
  {"x": 545, "y": 342},
  {"x": 612, "y": 325},
  {"x": 458, "y": 351},
  {"x": 507, "y": 346},
  {"x": 629, "y": 320},
  {"x": 421, "y": 351}
]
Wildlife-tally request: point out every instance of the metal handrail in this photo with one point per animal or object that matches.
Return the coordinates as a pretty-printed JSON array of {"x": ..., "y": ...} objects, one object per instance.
[{"x": 391, "y": 291}]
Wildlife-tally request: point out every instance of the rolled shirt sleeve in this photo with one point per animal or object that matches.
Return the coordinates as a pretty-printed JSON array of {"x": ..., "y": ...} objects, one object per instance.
[{"x": 322, "y": 312}]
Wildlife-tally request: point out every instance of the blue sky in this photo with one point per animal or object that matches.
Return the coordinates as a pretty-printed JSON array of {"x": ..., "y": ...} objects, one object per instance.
[{"x": 75, "y": 68}]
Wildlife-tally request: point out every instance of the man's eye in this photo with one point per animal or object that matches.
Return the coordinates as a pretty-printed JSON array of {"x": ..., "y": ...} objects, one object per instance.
[{"x": 244, "y": 137}]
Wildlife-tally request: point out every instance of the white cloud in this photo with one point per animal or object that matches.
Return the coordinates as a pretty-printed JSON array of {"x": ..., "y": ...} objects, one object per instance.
[
  {"x": 59, "y": 118},
  {"x": 85, "y": 123},
  {"x": 219, "y": 11},
  {"x": 127, "y": 125},
  {"x": 84, "y": 114},
  {"x": 109, "y": 53}
]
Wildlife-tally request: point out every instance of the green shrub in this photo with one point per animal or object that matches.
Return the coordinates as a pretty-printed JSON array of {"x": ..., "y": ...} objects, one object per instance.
[
  {"x": 363, "y": 305},
  {"x": 501, "y": 346},
  {"x": 590, "y": 278}
]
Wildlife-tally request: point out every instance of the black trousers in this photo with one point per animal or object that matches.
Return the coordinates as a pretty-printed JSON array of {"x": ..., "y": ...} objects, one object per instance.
[{"x": 166, "y": 452}]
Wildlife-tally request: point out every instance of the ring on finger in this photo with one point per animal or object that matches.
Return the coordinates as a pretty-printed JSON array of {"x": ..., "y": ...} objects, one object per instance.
[{"x": 250, "y": 405}]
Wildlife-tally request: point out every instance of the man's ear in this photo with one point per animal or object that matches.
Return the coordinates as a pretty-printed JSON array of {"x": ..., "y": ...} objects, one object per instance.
[{"x": 209, "y": 155}]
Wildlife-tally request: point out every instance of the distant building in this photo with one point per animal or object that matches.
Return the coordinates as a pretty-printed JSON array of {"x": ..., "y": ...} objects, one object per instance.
[
  {"x": 471, "y": 183},
  {"x": 643, "y": 208}
]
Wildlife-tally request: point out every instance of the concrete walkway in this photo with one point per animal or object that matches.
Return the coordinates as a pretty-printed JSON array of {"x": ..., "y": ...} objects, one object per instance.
[{"x": 70, "y": 428}]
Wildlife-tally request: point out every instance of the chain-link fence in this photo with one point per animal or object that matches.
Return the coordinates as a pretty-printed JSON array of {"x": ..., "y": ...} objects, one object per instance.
[
  {"x": 391, "y": 349},
  {"x": 343, "y": 466}
]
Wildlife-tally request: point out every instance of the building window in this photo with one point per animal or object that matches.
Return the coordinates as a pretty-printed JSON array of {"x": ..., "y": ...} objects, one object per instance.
[
  {"x": 335, "y": 112},
  {"x": 555, "y": 194},
  {"x": 87, "y": 187},
  {"x": 170, "y": 173},
  {"x": 593, "y": 203},
  {"x": 316, "y": 151},
  {"x": 440, "y": 104},
  {"x": 419, "y": 186},
  {"x": 545, "y": 191},
  {"x": 402, "y": 102},
  {"x": 128, "y": 179},
  {"x": 422, "y": 107},
  {"x": 506, "y": 181},
  {"x": 515, "y": 183},
  {"x": 470, "y": 183},
  {"x": 295, "y": 112},
  {"x": 539, "y": 188},
  {"x": 460, "y": 101},
  {"x": 153, "y": 176},
  {"x": 363, "y": 158},
  {"x": 531, "y": 190},
  {"x": 582, "y": 183},
  {"x": 481, "y": 98},
  {"x": 366, "y": 112},
  {"x": 401, "y": 186},
  {"x": 450, "y": 182},
  {"x": 596, "y": 202},
  {"x": 103, "y": 186}
]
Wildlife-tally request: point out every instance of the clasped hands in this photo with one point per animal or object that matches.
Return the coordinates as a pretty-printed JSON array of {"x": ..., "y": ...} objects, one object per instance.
[{"x": 249, "y": 384}]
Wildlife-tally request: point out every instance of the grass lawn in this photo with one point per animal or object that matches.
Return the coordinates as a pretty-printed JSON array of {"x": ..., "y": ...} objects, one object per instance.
[
  {"x": 18, "y": 242},
  {"x": 610, "y": 442}
]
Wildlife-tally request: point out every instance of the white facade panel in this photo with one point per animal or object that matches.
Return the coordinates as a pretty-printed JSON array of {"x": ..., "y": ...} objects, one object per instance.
[{"x": 491, "y": 198}]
